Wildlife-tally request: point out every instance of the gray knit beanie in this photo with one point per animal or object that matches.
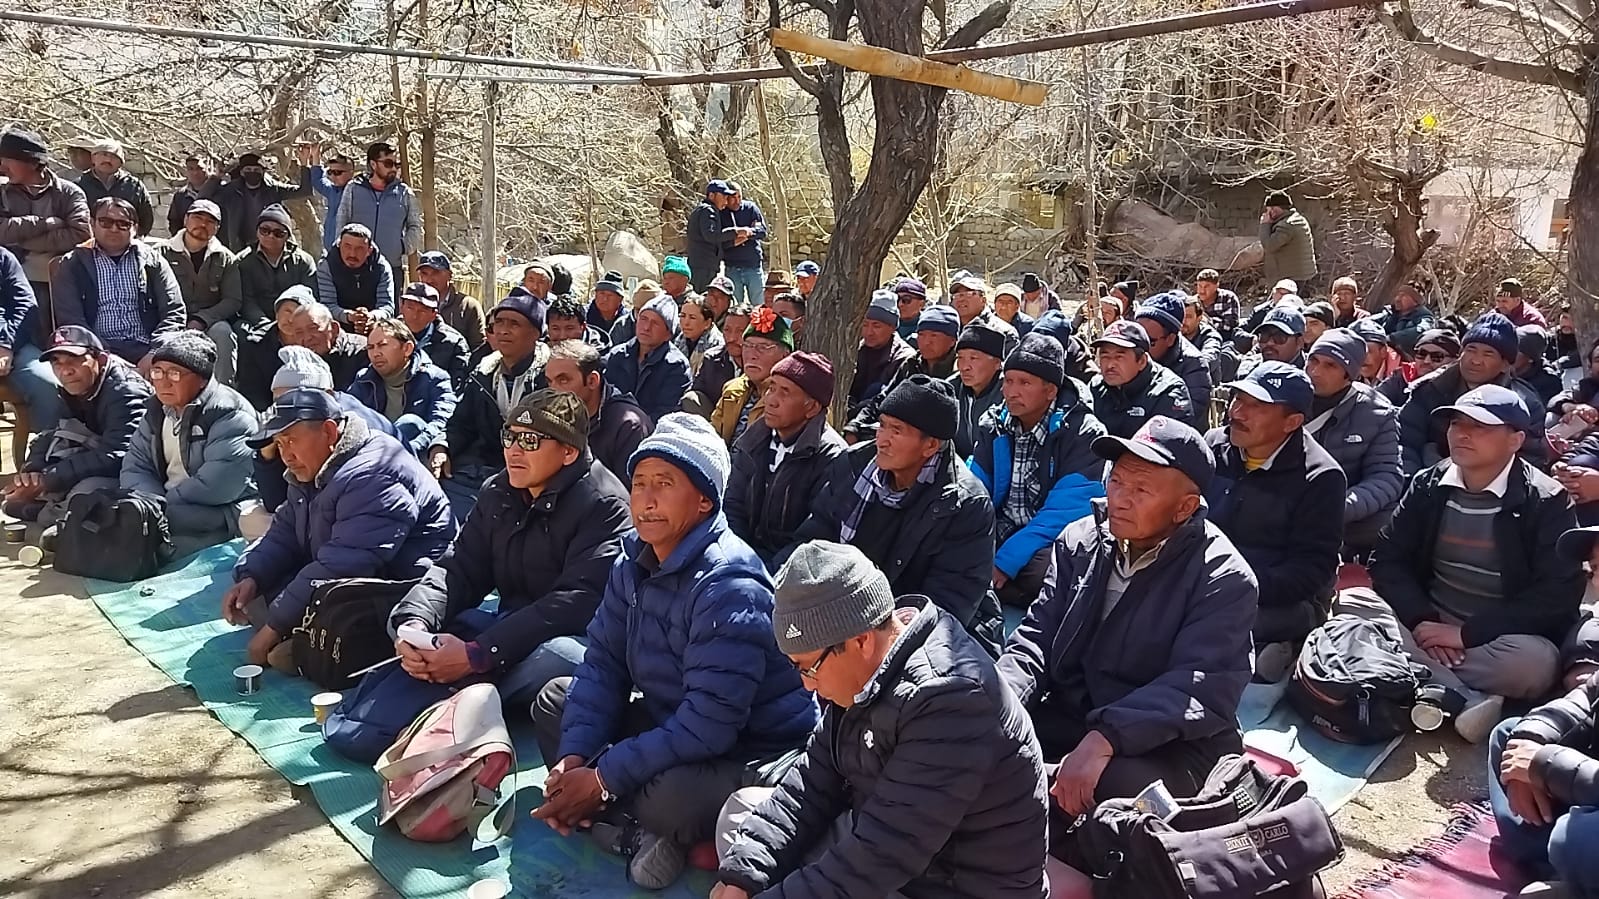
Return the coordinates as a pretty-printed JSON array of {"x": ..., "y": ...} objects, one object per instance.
[
  {"x": 301, "y": 367},
  {"x": 192, "y": 350},
  {"x": 825, "y": 594}
]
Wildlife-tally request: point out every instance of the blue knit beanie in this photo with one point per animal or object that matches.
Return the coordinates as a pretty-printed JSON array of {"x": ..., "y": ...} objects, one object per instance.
[
  {"x": 689, "y": 443},
  {"x": 942, "y": 319},
  {"x": 1496, "y": 331},
  {"x": 1165, "y": 309}
]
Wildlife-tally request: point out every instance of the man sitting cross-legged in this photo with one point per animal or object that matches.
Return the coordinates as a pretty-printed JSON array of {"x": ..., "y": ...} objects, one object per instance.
[
  {"x": 404, "y": 386},
  {"x": 924, "y": 778},
  {"x": 191, "y": 450},
  {"x": 544, "y": 534},
  {"x": 685, "y": 621},
  {"x": 359, "y": 505},
  {"x": 1468, "y": 564},
  {"x": 1134, "y": 658},
  {"x": 105, "y": 401}
]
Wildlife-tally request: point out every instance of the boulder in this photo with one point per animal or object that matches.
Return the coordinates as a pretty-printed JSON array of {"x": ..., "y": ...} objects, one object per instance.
[
  {"x": 1144, "y": 231},
  {"x": 624, "y": 252}
]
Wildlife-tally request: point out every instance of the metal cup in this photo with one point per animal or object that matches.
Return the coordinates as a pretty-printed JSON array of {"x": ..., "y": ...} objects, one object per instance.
[
  {"x": 16, "y": 532},
  {"x": 247, "y": 679}
]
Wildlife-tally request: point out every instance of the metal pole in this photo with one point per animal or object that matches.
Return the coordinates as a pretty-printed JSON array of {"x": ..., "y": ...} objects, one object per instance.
[
  {"x": 491, "y": 247},
  {"x": 297, "y": 43}
]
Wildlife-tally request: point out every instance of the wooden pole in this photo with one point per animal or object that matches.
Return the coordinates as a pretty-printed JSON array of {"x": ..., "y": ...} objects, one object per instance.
[
  {"x": 904, "y": 67},
  {"x": 490, "y": 246}
]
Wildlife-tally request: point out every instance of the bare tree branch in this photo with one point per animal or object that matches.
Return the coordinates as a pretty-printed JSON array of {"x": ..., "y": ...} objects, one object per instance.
[
  {"x": 1528, "y": 16},
  {"x": 1399, "y": 18}
]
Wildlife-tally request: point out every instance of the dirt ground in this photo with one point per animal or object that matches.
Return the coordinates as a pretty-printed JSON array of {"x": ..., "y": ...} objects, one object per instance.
[{"x": 115, "y": 782}]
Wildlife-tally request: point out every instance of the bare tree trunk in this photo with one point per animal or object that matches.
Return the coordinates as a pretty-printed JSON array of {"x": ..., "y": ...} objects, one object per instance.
[
  {"x": 1402, "y": 191},
  {"x": 1582, "y": 260},
  {"x": 781, "y": 250}
]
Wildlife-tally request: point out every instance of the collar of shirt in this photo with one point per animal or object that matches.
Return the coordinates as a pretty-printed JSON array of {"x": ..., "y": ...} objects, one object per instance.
[
  {"x": 1126, "y": 568},
  {"x": 1271, "y": 458},
  {"x": 1037, "y": 432},
  {"x": 1497, "y": 486},
  {"x": 905, "y": 616},
  {"x": 780, "y": 449}
]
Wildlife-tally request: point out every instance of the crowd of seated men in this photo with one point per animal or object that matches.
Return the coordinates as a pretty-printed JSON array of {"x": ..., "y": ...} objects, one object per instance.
[{"x": 732, "y": 617}]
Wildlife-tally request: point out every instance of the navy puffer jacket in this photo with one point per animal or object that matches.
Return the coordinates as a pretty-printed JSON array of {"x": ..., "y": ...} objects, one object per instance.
[{"x": 694, "y": 635}]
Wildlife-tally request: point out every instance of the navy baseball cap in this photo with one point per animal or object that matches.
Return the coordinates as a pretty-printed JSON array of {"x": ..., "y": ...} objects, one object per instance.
[
  {"x": 435, "y": 260},
  {"x": 717, "y": 187},
  {"x": 524, "y": 304},
  {"x": 1166, "y": 442},
  {"x": 1127, "y": 334},
  {"x": 74, "y": 340},
  {"x": 293, "y": 407},
  {"x": 1286, "y": 318},
  {"x": 807, "y": 268},
  {"x": 1280, "y": 383},
  {"x": 422, "y": 293},
  {"x": 1491, "y": 404}
]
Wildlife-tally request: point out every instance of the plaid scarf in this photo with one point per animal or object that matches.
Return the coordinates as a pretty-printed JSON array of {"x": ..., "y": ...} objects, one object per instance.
[{"x": 877, "y": 486}]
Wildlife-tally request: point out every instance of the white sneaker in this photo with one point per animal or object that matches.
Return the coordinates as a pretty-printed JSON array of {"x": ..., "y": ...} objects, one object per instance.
[
  {"x": 1545, "y": 890},
  {"x": 1479, "y": 719}
]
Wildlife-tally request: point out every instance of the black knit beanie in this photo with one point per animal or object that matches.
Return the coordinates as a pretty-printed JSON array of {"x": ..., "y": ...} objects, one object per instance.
[{"x": 926, "y": 404}]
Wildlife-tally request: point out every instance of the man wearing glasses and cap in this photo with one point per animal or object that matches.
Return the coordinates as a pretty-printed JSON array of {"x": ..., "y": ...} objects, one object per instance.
[
  {"x": 1169, "y": 601},
  {"x": 1468, "y": 564},
  {"x": 386, "y": 205},
  {"x": 360, "y": 505},
  {"x": 119, "y": 288}
]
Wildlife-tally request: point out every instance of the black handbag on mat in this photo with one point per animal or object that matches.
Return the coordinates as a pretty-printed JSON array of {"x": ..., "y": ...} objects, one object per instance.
[
  {"x": 1247, "y": 834},
  {"x": 346, "y": 629},
  {"x": 114, "y": 535}
]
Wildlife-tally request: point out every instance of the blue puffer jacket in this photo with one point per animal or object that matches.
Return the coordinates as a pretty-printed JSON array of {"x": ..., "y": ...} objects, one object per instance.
[
  {"x": 694, "y": 635},
  {"x": 429, "y": 402},
  {"x": 1072, "y": 476},
  {"x": 658, "y": 384},
  {"x": 372, "y": 511}
]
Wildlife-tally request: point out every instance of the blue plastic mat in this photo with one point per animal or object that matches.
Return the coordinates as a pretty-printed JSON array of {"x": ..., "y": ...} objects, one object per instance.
[{"x": 175, "y": 621}]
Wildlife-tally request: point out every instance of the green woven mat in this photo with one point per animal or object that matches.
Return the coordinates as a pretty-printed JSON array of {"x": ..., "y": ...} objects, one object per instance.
[{"x": 174, "y": 620}]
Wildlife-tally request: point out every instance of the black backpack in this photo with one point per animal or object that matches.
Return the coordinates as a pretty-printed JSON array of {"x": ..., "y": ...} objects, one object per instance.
[
  {"x": 346, "y": 629},
  {"x": 1246, "y": 834},
  {"x": 114, "y": 535},
  {"x": 1354, "y": 682}
]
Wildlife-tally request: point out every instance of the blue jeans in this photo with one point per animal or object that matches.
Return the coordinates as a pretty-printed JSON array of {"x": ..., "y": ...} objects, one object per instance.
[
  {"x": 32, "y": 378},
  {"x": 1568, "y": 851},
  {"x": 748, "y": 283}
]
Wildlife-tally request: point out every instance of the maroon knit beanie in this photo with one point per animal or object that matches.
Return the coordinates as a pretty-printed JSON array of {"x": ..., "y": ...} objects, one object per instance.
[{"x": 812, "y": 372}]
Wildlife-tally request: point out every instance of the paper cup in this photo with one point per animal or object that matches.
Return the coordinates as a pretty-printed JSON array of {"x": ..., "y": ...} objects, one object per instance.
[
  {"x": 489, "y": 889},
  {"x": 31, "y": 556},
  {"x": 16, "y": 532},
  {"x": 247, "y": 679},
  {"x": 323, "y": 703}
]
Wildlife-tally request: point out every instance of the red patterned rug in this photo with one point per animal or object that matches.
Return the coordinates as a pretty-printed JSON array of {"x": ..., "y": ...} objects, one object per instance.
[{"x": 1463, "y": 863}]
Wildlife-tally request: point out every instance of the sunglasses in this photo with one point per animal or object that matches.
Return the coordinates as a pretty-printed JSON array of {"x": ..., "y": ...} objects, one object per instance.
[
  {"x": 1432, "y": 356},
  {"x": 339, "y": 173},
  {"x": 115, "y": 224},
  {"x": 810, "y": 673},
  {"x": 385, "y": 164},
  {"x": 525, "y": 440},
  {"x": 272, "y": 232}
]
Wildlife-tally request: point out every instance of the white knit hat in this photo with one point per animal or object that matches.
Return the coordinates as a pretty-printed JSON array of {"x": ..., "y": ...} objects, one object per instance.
[{"x": 302, "y": 368}]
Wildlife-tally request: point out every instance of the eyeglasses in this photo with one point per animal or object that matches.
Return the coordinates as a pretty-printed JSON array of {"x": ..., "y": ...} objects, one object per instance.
[
  {"x": 272, "y": 232},
  {"x": 810, "y": 673},
  {"x": 1431, "y": 356},
  {"x": 115, "y": 224},
  {"x": 339, "y": 173},
  {"x": 525, "y": 440},
  {"x": 165, "y": 374}
]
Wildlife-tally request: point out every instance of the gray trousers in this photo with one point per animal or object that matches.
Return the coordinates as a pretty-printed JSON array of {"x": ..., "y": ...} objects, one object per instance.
[{"x": 1515, "y": 666}]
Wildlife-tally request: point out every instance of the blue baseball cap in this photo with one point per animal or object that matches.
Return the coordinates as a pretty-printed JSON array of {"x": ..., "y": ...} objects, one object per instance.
[
  {"x": 435, "y": 260},
  {"x": 1280, "y": 383},
  {"x": 293, "y": 407},
  {"x": 807, "y": 268},
  {"x": 1286, "y": 318},
  {"x": 1491, "y": 404},
  {"x": 1166, "y": 442},
  {"x": 1124, "y": 333},
  {"x": 717, "y": 187}
]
